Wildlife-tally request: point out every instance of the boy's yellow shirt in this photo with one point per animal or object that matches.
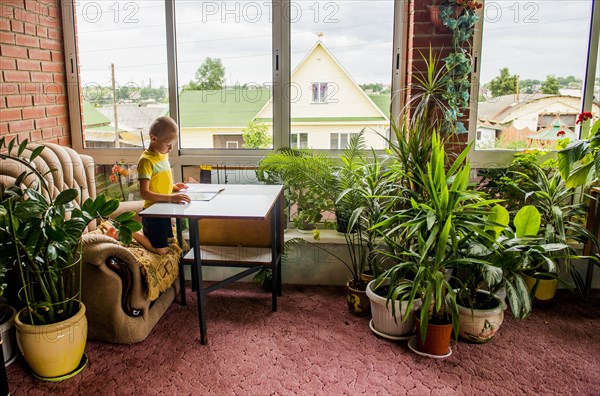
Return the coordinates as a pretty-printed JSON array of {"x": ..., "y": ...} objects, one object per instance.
[{"x": 156, "y": 167}]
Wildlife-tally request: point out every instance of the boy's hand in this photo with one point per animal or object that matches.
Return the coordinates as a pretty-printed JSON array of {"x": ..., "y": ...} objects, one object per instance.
[
  {"x": 179, "y": 187},
  {"x": 179, "y": 198}
]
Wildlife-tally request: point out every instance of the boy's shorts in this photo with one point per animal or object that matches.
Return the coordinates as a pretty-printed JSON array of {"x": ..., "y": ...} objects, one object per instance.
[{"x": 158, "y": 230}]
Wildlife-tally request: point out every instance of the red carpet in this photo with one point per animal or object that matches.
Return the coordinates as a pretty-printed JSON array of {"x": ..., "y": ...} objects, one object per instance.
[{"x": 313, "y": 346}]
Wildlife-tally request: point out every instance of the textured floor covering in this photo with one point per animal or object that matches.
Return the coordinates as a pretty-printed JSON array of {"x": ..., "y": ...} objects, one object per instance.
[{"x": 313, "y": 346}]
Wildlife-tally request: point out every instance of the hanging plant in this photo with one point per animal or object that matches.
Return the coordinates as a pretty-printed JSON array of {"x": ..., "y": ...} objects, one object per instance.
[{"x": 460, "y": 17}]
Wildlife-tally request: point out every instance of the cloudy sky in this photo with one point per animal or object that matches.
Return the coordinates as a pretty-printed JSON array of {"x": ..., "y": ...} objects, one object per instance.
[{"x": 532, "y": 38}]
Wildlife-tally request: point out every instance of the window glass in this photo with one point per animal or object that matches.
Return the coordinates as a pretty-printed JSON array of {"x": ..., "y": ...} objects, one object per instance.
[
  {"x": 118, "y": 180},
  {"x": 341, "y": 69},
  {"x": 224, "y": 63},
  {"x": 533, "y": 61},
  {"x": 122, "y": 55}
]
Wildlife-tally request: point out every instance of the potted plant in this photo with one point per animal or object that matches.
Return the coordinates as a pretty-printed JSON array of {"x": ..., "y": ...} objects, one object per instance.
[
  {"x": 41, "y": 238},
  {"x": 428, "y": 238},
  {"x": 500, "y": 267},
  {"x": 579, "y": 162},
  {"x": 561, "y": 214}
]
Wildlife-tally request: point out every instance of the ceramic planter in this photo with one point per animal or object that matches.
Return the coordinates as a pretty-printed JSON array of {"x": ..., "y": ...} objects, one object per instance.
[
  {"x": 384, "y": 322},
  {"x": 9, "y": 342},
  {"x": 53, "y": 350},
  {"x": 480, "y": 325},
  {"x": 358, "y": 302},
  {"x": 545, "y": 291}
]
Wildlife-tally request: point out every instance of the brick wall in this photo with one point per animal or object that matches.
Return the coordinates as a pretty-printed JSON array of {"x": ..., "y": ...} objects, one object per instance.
[
  {"x": 422, "y": 34},
  {"x": 33, "y": 91}
]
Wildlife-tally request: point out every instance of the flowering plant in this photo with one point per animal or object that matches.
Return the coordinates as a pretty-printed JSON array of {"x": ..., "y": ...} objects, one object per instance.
[
  {"x": 119, "y": 171},
  {"x": 467, "y": 4},
  {"x": 579, "y": 162}
]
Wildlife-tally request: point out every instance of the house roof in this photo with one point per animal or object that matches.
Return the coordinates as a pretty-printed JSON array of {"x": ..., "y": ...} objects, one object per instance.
[
  {"x": 134, "y": 117},
  {"x": 221, "y": 108},
  {"x": 552, "y": 132},
  {"x": 92, "y": 117},
  {"x": 504, "y": 109}
]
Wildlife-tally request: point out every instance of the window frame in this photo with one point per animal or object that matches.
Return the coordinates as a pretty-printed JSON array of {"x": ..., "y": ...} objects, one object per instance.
[{"x": 281, "y": 66}]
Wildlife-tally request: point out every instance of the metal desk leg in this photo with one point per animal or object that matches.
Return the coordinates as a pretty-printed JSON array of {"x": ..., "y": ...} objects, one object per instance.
[
  {"x": 195, "y": 239},
  {"x": 275, "y": 264},
  {"x": 181, "y": 271}
]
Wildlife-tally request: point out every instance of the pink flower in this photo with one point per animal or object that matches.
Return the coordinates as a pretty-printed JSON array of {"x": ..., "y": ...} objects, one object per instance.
[
  {"x": 116, "y": 169},
  {"x": 113, "y": 178}
]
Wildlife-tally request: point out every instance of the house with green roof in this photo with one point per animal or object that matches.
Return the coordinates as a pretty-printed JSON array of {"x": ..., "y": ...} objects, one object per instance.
[{"x": 328, "y": 107}]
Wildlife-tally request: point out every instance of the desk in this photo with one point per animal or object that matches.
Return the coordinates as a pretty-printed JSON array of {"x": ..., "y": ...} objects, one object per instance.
[{"x": 246, "y": 202}]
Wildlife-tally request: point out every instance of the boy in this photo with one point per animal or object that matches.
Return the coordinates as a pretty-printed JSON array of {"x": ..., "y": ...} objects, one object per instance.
[{"x": 156, "y": 185}]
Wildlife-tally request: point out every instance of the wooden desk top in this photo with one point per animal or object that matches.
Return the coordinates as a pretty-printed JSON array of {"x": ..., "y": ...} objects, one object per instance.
[{"x": 236, "y": 201}]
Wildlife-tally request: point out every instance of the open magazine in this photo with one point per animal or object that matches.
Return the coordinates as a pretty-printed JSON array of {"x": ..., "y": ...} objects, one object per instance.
[{"x": 202, "y": 192}]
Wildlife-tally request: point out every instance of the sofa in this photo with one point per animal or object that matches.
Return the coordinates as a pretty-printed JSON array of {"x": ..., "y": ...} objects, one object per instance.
[{"x": 126, "y": 290}]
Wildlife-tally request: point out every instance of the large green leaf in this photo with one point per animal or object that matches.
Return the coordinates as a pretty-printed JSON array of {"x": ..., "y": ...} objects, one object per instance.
[
  {"x": 65, "y": 197},
  {"x": 527, "y": 221},
  {"x": 499, "y": 215}
]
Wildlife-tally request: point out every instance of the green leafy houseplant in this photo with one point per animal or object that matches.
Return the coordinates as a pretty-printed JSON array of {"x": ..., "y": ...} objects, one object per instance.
[
  {"x": 579, "y": 162},
  {"x": 431, "y": 235},
  {"x": 561, "y": 212},
  {"x": 41, "y": 236}
]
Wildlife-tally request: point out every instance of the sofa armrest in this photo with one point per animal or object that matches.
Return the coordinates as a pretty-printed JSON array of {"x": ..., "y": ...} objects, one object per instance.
[{"x": 97, "y": 249}]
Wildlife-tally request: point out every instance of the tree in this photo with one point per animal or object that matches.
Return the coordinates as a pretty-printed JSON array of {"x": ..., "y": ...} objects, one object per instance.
[
  {"x": 210, "y": 75},
  {"x": 504, "y": 84},
  {"x": 256, "y": 135},
  {"x": 551, "y": 86}
]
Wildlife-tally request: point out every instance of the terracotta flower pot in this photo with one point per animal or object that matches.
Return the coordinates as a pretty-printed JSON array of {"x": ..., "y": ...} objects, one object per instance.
[{"x": 437, "y": 339}]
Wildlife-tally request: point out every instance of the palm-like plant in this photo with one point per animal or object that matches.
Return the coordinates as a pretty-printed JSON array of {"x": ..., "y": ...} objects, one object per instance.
[{"x": 444, "y": 217}]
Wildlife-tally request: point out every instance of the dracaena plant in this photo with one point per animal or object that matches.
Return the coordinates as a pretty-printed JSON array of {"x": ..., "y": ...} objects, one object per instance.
[
  {"x": 430, "y": 236},
  {"x": 41, "y": 236}
]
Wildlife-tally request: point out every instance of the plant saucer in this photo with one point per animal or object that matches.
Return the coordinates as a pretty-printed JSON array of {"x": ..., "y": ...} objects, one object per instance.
[
  {"x": 412, "y": 344},
  {"x": 78, "y": 369},
  {"x": 389, "y": 337}
]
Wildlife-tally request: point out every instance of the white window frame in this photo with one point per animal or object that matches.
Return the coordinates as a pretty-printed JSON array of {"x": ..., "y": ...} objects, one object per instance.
[
  {"x": 281, "y": 62},
  {"x": 297, "y": 134},
  {"x": 321, "y": 90}
]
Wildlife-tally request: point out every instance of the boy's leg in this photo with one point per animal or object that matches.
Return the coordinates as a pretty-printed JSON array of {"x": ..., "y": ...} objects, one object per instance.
[{"x": 145, "y": 242}]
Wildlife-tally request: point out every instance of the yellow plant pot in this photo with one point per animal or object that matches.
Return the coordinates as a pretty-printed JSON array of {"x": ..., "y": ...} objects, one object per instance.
[
  {"x": 546, "y": 288},
  {"x": 53, "y": 350}
]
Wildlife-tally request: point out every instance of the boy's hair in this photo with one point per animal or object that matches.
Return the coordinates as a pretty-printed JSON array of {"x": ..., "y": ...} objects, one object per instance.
[{"x": 163, "y": 127}]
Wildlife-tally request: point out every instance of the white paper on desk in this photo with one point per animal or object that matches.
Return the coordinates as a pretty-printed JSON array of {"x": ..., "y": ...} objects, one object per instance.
[
  {"x": 200, "y": 196},
  {"x": 202, "y": 188}
]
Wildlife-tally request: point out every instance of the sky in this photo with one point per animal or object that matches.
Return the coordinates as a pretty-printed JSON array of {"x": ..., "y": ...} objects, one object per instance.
[{"x": 532, "y": 38}]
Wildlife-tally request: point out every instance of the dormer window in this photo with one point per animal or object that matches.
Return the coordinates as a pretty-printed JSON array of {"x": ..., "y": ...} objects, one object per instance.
[{"x": 319, "y": 92}]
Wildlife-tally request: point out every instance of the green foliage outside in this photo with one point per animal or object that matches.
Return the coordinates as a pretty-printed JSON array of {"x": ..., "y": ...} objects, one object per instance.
[
  {"x": 256, "y": 135},
  {"x": 550, "y": 86},
  {"x": 209, "y": 76},
  {"x": 504, "y": 84}
]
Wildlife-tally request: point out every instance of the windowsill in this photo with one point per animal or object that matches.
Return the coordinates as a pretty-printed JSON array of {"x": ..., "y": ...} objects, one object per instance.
[{"x": 327, "y": 236}]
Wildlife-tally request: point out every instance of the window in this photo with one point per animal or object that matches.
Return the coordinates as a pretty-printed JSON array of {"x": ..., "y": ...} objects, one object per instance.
[
  {"x": 319, "y": 92},
  {"x": 339, "y": 141},
  {"x": 299, "y": 140},
  {"x": 122, "y": 83},
  {"x": 532, "y": 71}
]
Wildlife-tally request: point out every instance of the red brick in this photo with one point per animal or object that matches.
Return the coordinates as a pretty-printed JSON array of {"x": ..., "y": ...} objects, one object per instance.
[
  {"x": 50, "y": 44},
  {"x": 18, "y": 101},
  {"x": 39, "y": 54},
  {"x": 41, "y": 31},
  {"x": 25, "y": 16},
  {"x": 54, "y": 89},
  {"x": 41, "y": 77},
  {"x": 61, "y": 99},
  {"x": 4, "y": 129},
  {"x": 9, "y": 89},
  {"x": 7, "y": 64},
  {"x": 29, "y": 29},
  {"x": 53, "y": 12},
  {"x": 46, "y": 134},
  {"x": 28, "y": 41},
  {"x": 45, "y": 122},
  {"x": 16, "y": 26},
  {"x": 13, "y": 52},
  {"x": 57, "y": 131},
  {"x": 31, "y": 5},
  {"x": 4, "y": 24},
  {"x": 56, "y": 110},
  {"x": 20, "y": 126},
  {"x": 16, "y": 76},
  {"x": 33, "y": 112},
  {"x": 53, "y": 34},
  {"x": 57, "y": 56},
  {"x": 53, "y": 67},
  {"x": 14, "y": 3},
  {"x": 62, "y": 120},
  {"x": 35, "y": 136},
  {"x": 2, "y": 102},
  {"x": 65, "y": 141},
  {"x": 59, "y": 78},
  {"x": 50, "y": 21},
  {"x": 7, "y": 38},
  {"x": 43, "y": 100},
  {"x": 25, "y": 64},
  {"x": 32, "y": 88},
  {"x": 10, "y": 114}
]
